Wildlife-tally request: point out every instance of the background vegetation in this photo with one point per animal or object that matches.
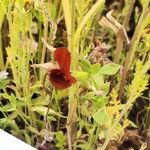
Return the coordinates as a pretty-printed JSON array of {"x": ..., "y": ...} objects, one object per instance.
[{"x": 109, "y": 42}]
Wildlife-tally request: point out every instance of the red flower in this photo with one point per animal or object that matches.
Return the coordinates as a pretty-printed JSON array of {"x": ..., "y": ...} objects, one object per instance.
[{"x": 62, "y": 78}]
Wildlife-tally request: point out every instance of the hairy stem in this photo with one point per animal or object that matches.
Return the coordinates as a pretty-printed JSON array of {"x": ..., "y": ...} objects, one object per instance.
[
  {"x": 69, "y": 10},
  {"x": 45, "y": 37}
]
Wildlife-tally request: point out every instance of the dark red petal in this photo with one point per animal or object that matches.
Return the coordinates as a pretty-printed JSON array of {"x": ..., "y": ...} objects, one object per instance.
[
  {"x": 63, "y": 58},
  {"x": 60, "y": 80}
]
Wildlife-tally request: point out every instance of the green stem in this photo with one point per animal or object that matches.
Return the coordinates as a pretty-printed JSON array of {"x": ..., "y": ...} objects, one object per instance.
[
  {"x": 73, "y": 45},
  {"x": 143, "y": 22},
  {"x": 45, "y": 37},
  {"x": 1, "y": 54},
  {"x": 69, "y": 15},
  {"x": 98, "y": 6},
  {"x": 40, "y": 42},
  {"x": 44, "y": 47}
]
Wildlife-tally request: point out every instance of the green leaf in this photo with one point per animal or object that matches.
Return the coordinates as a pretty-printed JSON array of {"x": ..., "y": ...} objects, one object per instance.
[
  {"x": 60, "y": 140},
  {"x": 98, "y": 80},
  {"x": 12, "y": 98},
  {"x": 7, "y": 108},
  {"x": 53, "y": 10},
  {"x": 38, "y": 102},
  {"x": 95, "y": 68},
  {"x": 85, "y": 66},
  {"x": 109, "y": 69},
  {"x": 38, "y": 15},
  {"x": 33, "y": 130},
  {"x": 100, "y": 101},
  {"x": 144, "y": 3},
  {"x": 3, "y": 83},
  {"x": 86, "y": 109},
  {"x": 101, "y": 117},
  {"x": 43, "y": 110},
  {"x": 3, "y": 7},
  {"x": 27, "y": 137},
  {"x": 81, "y": 75},
  {"x": 6, "y": 122},
  {"x": 105, "y": 87}
]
